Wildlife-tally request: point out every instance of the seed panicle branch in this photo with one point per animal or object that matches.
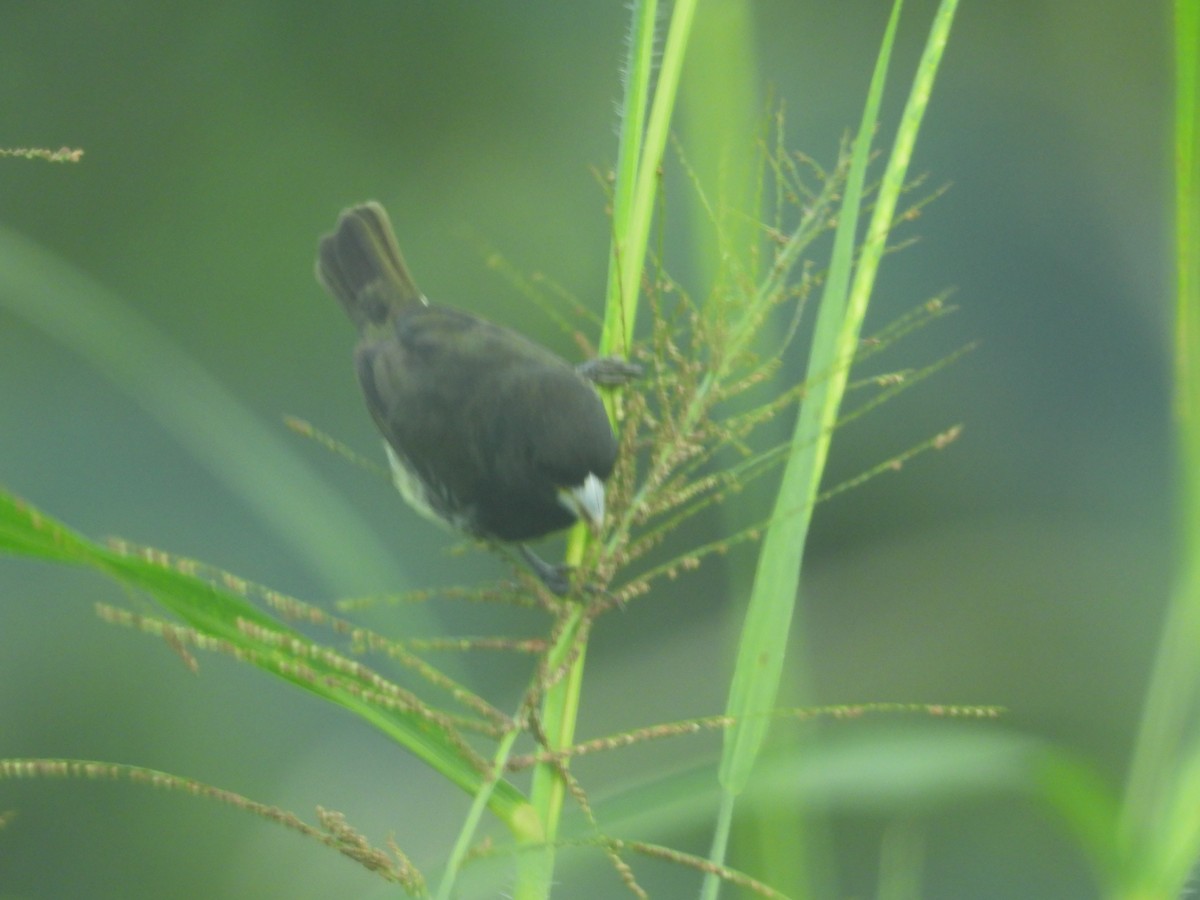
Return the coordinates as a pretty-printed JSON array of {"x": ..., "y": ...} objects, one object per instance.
[
  {"x": 690, "y": 438},
  {"x": 334, "y": 830}
]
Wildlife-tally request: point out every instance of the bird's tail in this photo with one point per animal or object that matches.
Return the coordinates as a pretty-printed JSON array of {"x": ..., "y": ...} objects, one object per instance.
[{"x": 360, "y": 264}]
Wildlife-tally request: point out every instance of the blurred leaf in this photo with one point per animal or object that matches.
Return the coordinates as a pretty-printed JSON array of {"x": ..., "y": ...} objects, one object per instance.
[
  {"x": 1087, "y": 802},
  {"x": 251, "y": 459},
  {"x": 1160, "y": 823},
  {"x": 898, "y": 771},
  {"x": 873, "y": 770}
]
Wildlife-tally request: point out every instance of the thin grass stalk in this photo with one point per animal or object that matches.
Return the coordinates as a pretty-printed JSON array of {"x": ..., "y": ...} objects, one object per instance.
[
  {"x": 548, "y": 791},
  {"x": 470, "y": 826},
  {"x": 634, "y": 198}
]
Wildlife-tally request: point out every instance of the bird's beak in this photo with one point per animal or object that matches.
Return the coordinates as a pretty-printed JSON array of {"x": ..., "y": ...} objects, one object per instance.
[{"x": 585, "y": 501}]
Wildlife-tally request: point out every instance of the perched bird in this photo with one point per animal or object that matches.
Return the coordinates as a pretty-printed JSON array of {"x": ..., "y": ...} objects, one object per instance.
[{"x": 485, "y": 430}]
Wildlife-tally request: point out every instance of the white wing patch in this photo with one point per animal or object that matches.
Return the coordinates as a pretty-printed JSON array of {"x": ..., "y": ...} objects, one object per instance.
[{"x": 441, "y": 508}]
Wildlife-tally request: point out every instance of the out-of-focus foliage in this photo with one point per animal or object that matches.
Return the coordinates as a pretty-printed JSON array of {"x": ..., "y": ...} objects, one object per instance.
[{"x": 1024, "y": 567}]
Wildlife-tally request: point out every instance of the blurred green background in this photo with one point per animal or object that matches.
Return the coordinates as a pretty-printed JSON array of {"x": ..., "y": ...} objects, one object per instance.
[{"x": 1025, "y": 566}]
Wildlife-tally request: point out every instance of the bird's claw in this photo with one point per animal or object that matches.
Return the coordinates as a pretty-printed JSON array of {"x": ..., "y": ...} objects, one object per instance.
[{"x": 556, "y": 578}]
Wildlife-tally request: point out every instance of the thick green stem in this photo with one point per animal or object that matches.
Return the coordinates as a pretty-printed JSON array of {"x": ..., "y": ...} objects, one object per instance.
[{"x": 639, "y": 158}]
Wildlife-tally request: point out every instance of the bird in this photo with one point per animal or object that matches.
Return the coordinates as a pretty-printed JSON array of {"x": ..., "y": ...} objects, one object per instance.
[{"x": 486, "y": 431}]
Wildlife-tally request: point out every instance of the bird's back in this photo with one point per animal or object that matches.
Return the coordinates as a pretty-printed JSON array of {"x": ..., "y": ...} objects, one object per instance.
[{"x": 481, "y": 412}]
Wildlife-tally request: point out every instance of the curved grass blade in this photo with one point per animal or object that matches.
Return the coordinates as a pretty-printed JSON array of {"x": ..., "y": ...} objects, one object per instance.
[{"x": 225, "y": 616}]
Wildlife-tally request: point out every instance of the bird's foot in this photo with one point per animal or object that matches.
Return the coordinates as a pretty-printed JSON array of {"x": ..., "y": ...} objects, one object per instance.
[
  {"x": 610, "y": 371},
  {"x": 556, "y": 578}
]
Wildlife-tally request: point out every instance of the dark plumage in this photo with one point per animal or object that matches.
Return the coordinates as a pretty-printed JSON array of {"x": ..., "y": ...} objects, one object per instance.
[{"x": 486, "y": 430}]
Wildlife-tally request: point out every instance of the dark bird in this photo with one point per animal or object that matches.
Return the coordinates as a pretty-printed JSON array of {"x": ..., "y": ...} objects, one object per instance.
[{"x": 485, "y": 430}]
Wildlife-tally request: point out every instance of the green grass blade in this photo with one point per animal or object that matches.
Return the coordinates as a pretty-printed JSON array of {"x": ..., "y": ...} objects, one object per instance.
[
  {"x": 224, "y": 616},
  {"x": 639, "y": 158},
  {"x": 638, "y": 73},
  {"x": 632, "y": 232},
  {"x": 561, "y": 703},
  {"x": 1165, "y": 762},
  {"x": 773, "y": 597},
  {"x": 768, "y": 618},
  {"x": 470, "y": 825}
]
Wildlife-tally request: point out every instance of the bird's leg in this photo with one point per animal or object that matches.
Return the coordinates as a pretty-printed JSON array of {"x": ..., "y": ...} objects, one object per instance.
[
  {"x": 610, "y": 371},
  {"x": 557, "y": 579}
]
